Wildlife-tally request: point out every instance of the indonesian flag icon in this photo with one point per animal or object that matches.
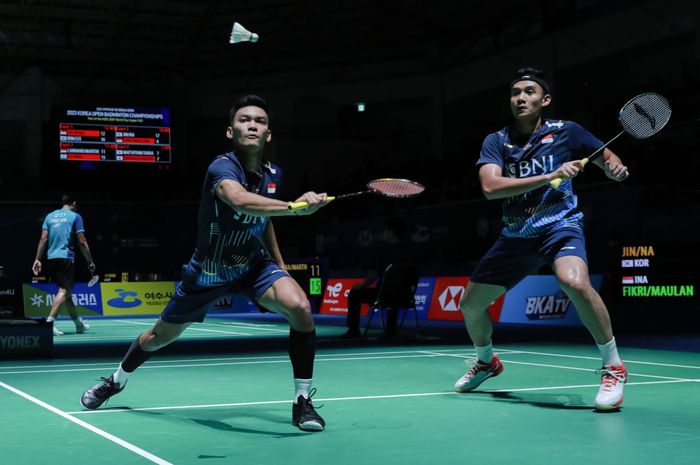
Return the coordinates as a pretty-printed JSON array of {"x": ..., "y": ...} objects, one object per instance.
[
  {"x": 628, "y": 280},
  {"x": 271, "y": 188},
  {"x": 548, "y": 139}
]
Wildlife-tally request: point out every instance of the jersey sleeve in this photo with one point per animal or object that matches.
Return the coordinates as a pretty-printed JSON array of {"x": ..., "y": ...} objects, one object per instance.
[
  {"x": 491, "y": 151},
  {"x": 221, "y": 169},
  {"x": 583, "y": 143},
  {"x": 45, "y": 225},
  {"x": 78, "y": 226}
]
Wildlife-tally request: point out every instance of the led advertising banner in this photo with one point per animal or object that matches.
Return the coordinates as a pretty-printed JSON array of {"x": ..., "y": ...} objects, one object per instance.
[
  {"x": 446, "y": 297},
  {"x": 38, "y": 298},
  {"x": 335, "y": 296},
  {"x": 538, "y": 300},
  {"x": 136, "y": 298}
]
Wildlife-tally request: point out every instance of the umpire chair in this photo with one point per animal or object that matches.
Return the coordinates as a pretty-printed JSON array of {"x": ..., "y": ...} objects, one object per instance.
[{"x": 396, "y": 292}]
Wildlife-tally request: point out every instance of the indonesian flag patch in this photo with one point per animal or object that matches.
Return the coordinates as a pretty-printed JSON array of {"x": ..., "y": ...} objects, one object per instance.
[
  {"x": 627, "y": 280},
  {"x": 548, "y": 139},
  {"x": 271, "y": 188}
]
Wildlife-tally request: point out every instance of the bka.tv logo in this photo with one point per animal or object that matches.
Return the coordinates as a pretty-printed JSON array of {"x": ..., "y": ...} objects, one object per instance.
[{"x": 546, "y": 307}]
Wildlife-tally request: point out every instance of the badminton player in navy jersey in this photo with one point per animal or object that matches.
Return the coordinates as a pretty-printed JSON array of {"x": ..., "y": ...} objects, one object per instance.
[
  {"x": 543, "y": 226},
  {"x": 236, "y": 253}
]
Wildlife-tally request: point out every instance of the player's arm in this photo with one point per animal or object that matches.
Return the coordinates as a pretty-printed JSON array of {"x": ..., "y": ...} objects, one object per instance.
[
  {"x": 40, "y": 249},
  {"x": 85, "y": 249},
  {"x": 612, "y": 165},
  {"x": 235, "y": 196},
  {"x": 496, "y": 186},
  {"x": 270, "y": 242}
]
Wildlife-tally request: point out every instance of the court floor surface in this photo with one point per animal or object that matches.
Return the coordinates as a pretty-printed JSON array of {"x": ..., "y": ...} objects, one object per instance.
[{"x": 383, "y": 404}]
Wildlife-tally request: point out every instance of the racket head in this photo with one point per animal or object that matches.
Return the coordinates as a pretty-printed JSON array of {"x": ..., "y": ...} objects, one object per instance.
[
  {"x": 645, "y": 115},
  {"x": 93, "y": 280},
  {"x": 395, "y": 187}
]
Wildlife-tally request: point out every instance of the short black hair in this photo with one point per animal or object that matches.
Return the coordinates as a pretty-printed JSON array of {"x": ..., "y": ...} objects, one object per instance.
[
  {"x": 68, "y": 199},
  {"x": 249, "y": 100},
  {"x": 533, "y": 74}
]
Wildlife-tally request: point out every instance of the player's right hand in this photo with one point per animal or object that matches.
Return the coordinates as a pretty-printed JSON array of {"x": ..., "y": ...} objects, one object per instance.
[
  {"x": 315, "y": 202},
  {"x": 568, "y": 170},
  {"x": 36, "y": 267}
]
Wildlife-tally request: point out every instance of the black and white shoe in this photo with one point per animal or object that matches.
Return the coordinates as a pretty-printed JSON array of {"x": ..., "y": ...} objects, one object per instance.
[
  {"x": 304, "y": 415},
  {"x": 100, "y": 393}
]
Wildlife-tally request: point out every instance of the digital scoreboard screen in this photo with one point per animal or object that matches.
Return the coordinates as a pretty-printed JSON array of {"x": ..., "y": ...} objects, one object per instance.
[{"x": 120, "y": 135}]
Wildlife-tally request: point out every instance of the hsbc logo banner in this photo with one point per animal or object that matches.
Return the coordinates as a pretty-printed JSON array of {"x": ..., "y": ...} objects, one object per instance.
[{"x": 448, "y": 293}]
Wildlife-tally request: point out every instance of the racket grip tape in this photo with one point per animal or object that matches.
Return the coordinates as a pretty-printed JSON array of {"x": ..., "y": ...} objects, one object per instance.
[
  {"x": 294, "y": 206},
  {"x": 556, "y": 182}
]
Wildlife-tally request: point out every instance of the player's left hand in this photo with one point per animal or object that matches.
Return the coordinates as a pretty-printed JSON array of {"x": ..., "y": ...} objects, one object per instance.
[
  {"x": 36, "y": 267},
  {"x": 616, "y": 171}
]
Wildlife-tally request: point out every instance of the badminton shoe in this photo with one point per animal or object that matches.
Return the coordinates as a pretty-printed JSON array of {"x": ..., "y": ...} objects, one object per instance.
[
  {"x": 81, "y": 326},
  {"x": 100, "y": 393},
  {"x": 304, "y": 415},
  {"x": 57, "y": 332},
  {"x": 612, "y": 383},
  {"x": 478, "y": 373}
]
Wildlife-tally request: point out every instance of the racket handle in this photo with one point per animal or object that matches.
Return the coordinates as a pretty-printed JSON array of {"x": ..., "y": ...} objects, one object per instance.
[
  {"x": 556, "y": 182},
  {"x": 294, "y": 206}
]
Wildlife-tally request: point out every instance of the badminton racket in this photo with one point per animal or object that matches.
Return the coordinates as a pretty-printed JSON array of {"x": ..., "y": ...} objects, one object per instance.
[
  {"x": 641, "y": 117},
  {"x": 387, "y": 187},
  {"x": 93, "y": 277}
]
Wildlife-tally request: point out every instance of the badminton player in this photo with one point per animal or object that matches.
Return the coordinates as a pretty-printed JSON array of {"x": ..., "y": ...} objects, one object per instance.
[
  {"x": 543, "y": 226},
  {"x": 236, "y": 253},
  {"x": 61, "y": 230}
]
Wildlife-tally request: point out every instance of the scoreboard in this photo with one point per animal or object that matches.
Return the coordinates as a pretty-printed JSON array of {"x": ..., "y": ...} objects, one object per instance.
[{"x": 116, "y": 135}]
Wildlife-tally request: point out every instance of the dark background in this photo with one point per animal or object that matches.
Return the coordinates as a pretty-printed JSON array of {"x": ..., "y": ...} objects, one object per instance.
[{"x": 433, "y": 76}]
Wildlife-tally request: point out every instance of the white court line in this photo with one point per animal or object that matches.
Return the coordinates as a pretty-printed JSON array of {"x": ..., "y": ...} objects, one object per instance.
[
  {"x": 197, "y": 365},
  {"x": 545, "y": 365},
  {"x": 383, "y": 396},
  {"x": 94, "y": 429},
  {"x": 221, "y": 359},
  {"x": 250, "y": 326},
  {"x": 194, "y": 328},
  {"x": 582, "y": 357}
]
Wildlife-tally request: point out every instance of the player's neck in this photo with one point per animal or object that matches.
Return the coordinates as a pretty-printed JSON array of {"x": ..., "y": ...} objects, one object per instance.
[
  {"x": 527, "y": 126},
  {"x": 252, "y": 161}
]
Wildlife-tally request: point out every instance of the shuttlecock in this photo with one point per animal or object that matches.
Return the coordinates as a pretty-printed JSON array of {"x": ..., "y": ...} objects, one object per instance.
[{"x": 241, "y": 34}]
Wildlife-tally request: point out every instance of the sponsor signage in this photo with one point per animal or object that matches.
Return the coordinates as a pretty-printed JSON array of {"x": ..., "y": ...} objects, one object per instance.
[
  {"x": 25, "y": 337},
  {"x": 539, "y": 300},
  {"x": 136, "y": 298},
  {"x": 335, "y": 296},
  {"x": 447, "y": 294},
  {"x": 424, "y": 295},
  {"x": 38, "y": 298}
]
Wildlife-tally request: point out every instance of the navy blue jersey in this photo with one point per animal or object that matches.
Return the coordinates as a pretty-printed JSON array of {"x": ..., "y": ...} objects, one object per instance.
[
  {"x": 553, "y": 144},
  {"x": 229, "y": 242}
]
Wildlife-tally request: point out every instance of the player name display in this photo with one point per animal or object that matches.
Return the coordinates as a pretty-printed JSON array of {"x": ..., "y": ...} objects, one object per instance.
[
  {"x": 639, "y": 278},
  {"x": 116, "y": 135}
]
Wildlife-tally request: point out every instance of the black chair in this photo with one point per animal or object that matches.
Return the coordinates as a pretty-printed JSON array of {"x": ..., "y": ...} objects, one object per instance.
[{"x": 396, "y": 292}]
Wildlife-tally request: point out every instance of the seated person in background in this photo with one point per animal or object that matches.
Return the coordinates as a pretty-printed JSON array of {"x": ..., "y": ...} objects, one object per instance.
[{"x": 391, "y": 249}]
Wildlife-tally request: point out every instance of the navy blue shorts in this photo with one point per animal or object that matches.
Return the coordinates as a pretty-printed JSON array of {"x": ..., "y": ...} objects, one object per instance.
[
  {"x": 509, "y": 260},
  {"x": 191, "y": 301}
]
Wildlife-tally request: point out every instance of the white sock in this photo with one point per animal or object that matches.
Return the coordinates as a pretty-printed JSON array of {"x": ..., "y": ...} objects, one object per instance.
[
  {"x": 49, "y": 319},
  {"x": 484, "y": 353},
  {"x": 301, "y": 388},
  {"x": 609, "y": 353},
  {"x": 120, "y": 376}
]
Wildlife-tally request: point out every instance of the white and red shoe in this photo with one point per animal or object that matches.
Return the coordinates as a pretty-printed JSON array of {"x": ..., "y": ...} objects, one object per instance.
[
  {"x": 612, "y": 383},
  {"x": 478, "y": 373}
]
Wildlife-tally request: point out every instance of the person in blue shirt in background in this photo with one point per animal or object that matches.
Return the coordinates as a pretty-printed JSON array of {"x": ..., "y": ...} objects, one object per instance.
[
  {"x": 543, "y": 226},
  {"x": 61, "y": 230}
]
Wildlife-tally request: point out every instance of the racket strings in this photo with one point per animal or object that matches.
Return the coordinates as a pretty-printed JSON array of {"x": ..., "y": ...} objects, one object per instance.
[
  {"x": 645, "y": 115},
  {"x": 396, "y": 187}
]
